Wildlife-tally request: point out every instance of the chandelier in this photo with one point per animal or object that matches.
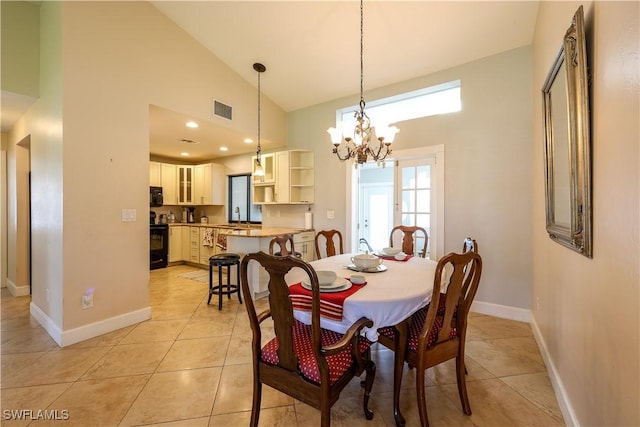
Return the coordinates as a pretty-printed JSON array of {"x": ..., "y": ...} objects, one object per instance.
[
  {"x": 363, "y": 141},
  {"x": 259, "y": 170}
]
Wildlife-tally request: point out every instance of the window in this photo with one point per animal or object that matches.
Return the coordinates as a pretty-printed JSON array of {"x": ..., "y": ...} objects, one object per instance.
[
  {"x": 430, "y": 101},
  {"x": 240, "y": 206}
]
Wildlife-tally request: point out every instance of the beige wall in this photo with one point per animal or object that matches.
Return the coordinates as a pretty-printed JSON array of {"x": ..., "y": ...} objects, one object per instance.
[
  {"x": 588, "y": 318},
  {"x": 89, "y": 144},
  {"x": 488, "y": 147},
  {"x": 20, "y": 59}
]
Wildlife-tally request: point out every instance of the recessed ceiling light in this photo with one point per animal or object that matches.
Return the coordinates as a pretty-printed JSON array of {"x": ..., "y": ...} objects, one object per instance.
[
  {"x": 184, "y": 154},
  {"x": 192, "y": 124},
  {"x": 224, "y": 149},
  {"x": 248, "y": 140}
]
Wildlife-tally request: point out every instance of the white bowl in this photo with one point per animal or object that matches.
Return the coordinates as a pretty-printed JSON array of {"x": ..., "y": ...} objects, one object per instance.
[
  {"x": 366, "y": 261},
  {"x": 326, "y": 277},
  {"x": 400, "y": 256},
  {"x": 357, "y": 279},
  {"x": 390, "y": 251}
]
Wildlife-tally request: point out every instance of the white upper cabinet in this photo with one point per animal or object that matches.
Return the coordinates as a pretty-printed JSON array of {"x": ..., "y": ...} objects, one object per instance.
[
  {"x": 169, "y": 180},
  {"x": 288, "y": 179},
  {"x": 209, "y": 184},
  {"x": 155, "y": 174},
  {"x": 185, "y": 184},
  {"x": 189, "y": 184}
]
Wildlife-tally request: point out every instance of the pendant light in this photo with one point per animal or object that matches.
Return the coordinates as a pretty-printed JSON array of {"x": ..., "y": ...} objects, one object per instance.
[{"x": 258, "y": 169}]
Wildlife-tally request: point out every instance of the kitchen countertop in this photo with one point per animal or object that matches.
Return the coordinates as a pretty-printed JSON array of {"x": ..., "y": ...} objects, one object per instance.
[
  {"x": 263, "y": 232},
  {"x": 206, "y": 224},
  {"x": 244, "y": 230}
]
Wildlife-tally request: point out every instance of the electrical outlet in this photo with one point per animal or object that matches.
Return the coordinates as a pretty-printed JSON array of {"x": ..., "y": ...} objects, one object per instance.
[
  {"x": 87, "y": 301},
  {"x": 537, "y": 303},
  {"x": 331, "y": 214}
]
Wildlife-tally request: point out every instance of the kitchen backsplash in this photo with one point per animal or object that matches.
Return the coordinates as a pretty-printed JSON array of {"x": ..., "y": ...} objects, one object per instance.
[{"x": 216, "y": 214}]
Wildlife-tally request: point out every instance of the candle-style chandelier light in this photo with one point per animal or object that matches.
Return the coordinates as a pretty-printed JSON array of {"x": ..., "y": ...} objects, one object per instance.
[{"x": 363, "y": 142}]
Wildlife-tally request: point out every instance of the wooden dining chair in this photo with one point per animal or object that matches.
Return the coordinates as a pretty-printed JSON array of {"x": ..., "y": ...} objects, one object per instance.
[
  {"x": 330, "y": 245},
  {"x": 469, "y": 244},
  {"x": 306, "y": 362},
  {"x": 436, "y": 333},
  {"x": 410, "y": 234},
  {"x": 282, "y": 241}
]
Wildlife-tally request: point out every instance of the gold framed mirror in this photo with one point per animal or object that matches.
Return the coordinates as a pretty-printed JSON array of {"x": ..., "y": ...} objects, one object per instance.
[{"x": 567, "y": 143}]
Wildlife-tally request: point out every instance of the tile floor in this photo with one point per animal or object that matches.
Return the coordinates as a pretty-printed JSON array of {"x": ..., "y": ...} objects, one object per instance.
[{"x": 191, "y": 366}]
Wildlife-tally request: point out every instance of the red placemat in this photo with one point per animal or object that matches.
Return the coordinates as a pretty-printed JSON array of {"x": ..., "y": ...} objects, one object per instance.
[{"x": 331, "y": 303}]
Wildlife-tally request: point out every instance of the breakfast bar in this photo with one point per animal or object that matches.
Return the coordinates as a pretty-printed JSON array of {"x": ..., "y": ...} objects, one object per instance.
[{"x": 248, "y": 240}]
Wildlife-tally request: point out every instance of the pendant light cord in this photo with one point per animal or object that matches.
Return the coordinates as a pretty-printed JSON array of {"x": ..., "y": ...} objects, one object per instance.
[{"x": 259, "y": 147}]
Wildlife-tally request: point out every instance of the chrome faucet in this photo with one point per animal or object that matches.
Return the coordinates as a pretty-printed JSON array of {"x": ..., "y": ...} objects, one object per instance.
[
  {"x": 238, "y": 212},
  {"x": 363, "y": 240}
]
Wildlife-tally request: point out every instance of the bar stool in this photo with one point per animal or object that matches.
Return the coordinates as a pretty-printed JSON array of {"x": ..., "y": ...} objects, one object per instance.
[{"x": 220, "y": 261}]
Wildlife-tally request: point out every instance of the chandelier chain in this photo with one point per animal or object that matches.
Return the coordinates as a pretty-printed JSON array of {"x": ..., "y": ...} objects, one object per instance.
[{"x": 362, "y": 54}]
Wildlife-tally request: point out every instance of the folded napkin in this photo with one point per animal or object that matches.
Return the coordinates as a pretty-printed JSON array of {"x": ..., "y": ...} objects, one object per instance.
[{"x": 331, "y": 303}]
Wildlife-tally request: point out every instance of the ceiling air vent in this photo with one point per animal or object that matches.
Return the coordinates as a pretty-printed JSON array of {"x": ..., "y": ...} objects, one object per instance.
[{"x": 222, "y": 110}]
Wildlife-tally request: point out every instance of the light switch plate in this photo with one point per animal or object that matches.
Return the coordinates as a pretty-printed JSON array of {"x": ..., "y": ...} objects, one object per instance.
[
  {"x": 331, "y": 214},
  {"x": 128, "y": 215}
]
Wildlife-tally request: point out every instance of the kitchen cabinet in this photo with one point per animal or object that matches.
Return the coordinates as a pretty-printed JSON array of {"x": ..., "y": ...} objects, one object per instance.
[
  {"x": 301, "y": 176},
  {"x": 186, "y": 242},
  {"x": 185, "y": 184},
  {"x": 209, "y": 184},
  {"x": 264, "y": 186},
  {"x": 194, "y": 245},
  {"x": 268, "y": 162},
  {"x": 169, "y": 180},
  {"x": 189, "y": 184},
  {"x": 304, "y": 243},
  {"x": 155, "y": 174},
  {"x": 175, "y": 243},
  {"x": 289, "y": 179}
]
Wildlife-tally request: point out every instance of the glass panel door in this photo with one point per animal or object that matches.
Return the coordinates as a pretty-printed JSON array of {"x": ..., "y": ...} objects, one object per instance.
[{"x": 415, "y": 196}]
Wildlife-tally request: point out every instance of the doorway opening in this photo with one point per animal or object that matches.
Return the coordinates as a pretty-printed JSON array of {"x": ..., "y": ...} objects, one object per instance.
[{"x": 408, "y": 191}]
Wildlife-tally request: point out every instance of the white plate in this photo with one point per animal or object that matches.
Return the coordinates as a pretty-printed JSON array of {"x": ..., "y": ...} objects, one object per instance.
[
  {"x": 378, "y": 269},
  {"x": 340, "y": 281},
  {"x": 343, "y": 287}
]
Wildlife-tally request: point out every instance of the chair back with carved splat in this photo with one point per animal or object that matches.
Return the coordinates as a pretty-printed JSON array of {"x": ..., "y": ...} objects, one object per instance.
[
  {"x": 436, "y": 333},
  {"x": 306, "y": 362},
  {"x": 330, "y": 237},
  {"x": 409, "y": 236}
]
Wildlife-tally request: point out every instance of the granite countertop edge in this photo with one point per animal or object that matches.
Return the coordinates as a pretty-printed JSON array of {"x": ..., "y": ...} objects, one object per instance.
[{"x": 253, "y": 231}]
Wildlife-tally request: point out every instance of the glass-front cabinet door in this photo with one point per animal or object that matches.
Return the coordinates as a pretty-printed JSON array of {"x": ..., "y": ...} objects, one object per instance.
[{"x": 185, "y": 185}]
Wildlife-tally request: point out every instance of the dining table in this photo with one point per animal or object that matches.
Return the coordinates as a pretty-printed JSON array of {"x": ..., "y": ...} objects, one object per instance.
[{"x": 391, "y": 294}]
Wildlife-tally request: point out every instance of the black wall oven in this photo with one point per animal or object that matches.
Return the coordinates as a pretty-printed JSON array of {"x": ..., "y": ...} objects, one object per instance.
[{"x": 159, "y": 245}]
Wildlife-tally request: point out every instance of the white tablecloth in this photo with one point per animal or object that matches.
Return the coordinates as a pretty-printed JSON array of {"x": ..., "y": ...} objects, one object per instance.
[{"x": 388, "y": 298}]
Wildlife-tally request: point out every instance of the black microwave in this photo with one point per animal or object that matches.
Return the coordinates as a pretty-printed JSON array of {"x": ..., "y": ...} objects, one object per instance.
[{"x": 155, "y": 196}]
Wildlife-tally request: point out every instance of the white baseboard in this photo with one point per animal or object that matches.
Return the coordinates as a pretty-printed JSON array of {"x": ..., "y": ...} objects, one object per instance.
[
  {"x": 502, "y": 311},
  {"x": 72, "y": 336},
  {"x": 564, "y": 403},
  {"x": 17, "y": 291}
]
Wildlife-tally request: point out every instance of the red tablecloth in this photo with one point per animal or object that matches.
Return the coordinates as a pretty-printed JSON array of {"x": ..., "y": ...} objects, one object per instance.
[{"x": 331, "y": 303}]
